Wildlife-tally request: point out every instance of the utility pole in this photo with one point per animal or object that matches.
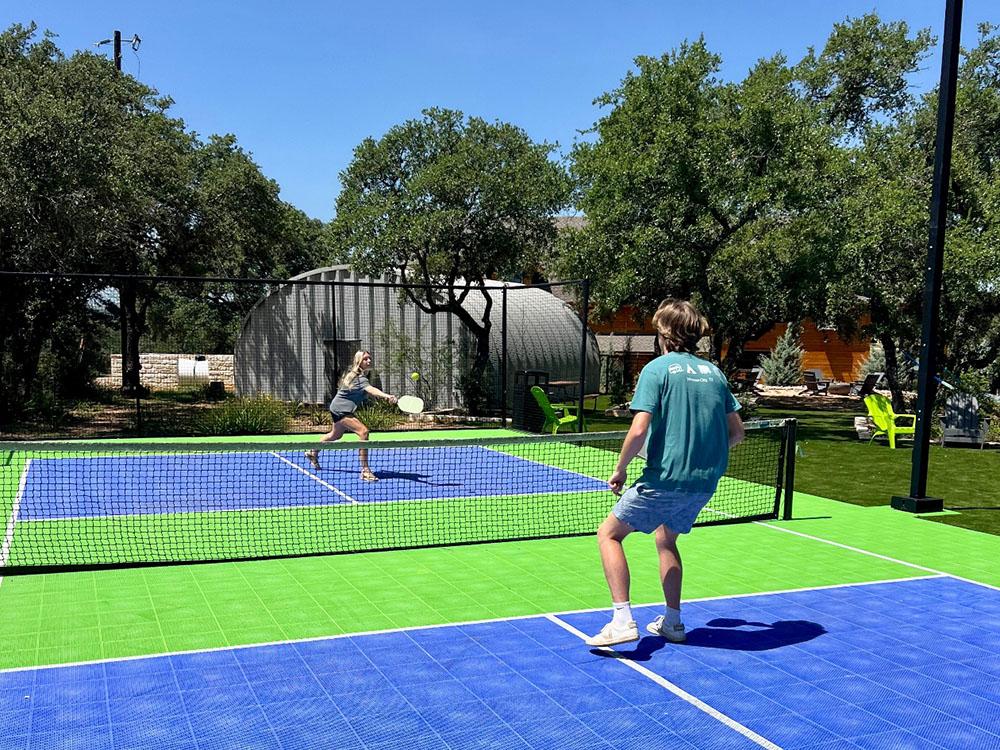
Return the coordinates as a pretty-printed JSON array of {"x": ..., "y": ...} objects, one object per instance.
[{"x": 130, "y": 376}]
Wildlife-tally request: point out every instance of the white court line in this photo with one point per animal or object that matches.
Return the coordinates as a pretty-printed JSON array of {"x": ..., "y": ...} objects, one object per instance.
[
  {"x": 8, "y": 538},
  {"x": 676, "y": 690},
  {"x": 309, "y": 474},
  {"x": 514, "y": 618},
  {"x": 499, "y": 450},
  {"x": 935, "y": 571}
]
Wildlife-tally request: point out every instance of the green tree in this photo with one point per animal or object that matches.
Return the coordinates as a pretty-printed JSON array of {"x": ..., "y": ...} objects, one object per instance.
[
  {"x": 783, "y": 365},
  {"x": 241, "y": 229},
  {"x": 62, "y": 131},
  {"x": 450, "y": 201},
  {"x": 95, "y": 176},
  {"x": 883, "y": 223},
  {"x": 702, "y": 189},
  {"x": 861, "y": 76}
]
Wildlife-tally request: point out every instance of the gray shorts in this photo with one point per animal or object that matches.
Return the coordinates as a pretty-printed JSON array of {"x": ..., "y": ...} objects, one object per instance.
[{"x": 645, "y": 508}]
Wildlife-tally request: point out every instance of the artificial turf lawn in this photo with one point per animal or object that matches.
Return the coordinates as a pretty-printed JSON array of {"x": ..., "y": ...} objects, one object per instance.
[
  {"x": 833, "y": 463},
  {"x": 81, "y": 616}
]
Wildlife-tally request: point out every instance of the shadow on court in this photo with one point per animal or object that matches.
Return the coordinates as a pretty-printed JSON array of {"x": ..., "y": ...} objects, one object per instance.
[
  {"x": 726, "y": 633},
  {"x": 350, "y": 476}
]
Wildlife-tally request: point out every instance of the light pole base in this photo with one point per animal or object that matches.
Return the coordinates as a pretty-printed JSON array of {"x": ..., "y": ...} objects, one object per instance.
[{"x": 917, "y": 504}]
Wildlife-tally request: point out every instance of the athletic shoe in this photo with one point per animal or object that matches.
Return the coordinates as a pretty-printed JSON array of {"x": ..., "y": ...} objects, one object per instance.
[
  {"x": 611, "y": 634},
  {"x": 313, "y": 457},
  {"x": 673, "y": 633}
]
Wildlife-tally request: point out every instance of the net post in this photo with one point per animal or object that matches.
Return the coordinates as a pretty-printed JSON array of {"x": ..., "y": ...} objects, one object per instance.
[
  {"x": 789, "y": 468},
  {"x": 503, "y": 356},
  {"x": 584, "y": 314}
]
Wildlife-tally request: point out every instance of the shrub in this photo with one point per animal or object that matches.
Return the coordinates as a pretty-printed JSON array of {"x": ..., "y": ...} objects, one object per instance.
[
  {"x": 748, "y": 404},
  {"x": 379, "y": 415},
  {"x": 784, "y": 364},
  {"x": 248, "y": 416}
]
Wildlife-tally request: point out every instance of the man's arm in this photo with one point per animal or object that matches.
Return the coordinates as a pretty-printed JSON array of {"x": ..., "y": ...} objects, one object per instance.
[
  {"x": 736, "y": 431},
  {"x": 630, "y": 448}
]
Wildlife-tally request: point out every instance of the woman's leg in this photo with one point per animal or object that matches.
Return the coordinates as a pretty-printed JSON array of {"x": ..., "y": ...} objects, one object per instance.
[
  {"x": 335, "y": 433},
  {"x": 355, "y": 425}
]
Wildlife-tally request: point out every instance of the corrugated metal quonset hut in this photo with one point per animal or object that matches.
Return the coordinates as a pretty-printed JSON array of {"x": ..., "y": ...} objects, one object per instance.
[{"x": 296, "y": 339}]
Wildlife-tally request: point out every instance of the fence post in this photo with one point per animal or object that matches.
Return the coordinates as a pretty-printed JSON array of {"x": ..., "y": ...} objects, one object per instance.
[
  {"x": 503, "y": 356},
  {"x": 584, "y": 314}
]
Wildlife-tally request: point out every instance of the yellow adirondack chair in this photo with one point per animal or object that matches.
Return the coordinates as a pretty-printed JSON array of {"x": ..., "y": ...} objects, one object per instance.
[
  {"x": 552, "y": 420},
  {"x": 880, "y": 410}
]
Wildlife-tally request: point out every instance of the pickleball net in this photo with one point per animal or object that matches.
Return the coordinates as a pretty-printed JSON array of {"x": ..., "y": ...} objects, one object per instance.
[{"x": 83, "y": 504}]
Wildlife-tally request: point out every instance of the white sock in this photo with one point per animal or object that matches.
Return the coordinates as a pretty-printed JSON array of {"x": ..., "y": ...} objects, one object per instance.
[
  {"x": 671, "y": 616},
  {"x": 623, "y": 613}
]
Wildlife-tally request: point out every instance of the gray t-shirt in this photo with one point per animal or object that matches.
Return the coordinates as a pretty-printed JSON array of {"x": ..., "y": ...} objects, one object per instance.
[{"x": 348, "y": 400}]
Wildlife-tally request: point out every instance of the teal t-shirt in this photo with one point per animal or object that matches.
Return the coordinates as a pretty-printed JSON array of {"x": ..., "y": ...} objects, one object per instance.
[{"x": 687, "y": 446}]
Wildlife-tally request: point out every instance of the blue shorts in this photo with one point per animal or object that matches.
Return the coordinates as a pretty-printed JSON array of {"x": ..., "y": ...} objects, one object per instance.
[{"x": 644, "y": 508}]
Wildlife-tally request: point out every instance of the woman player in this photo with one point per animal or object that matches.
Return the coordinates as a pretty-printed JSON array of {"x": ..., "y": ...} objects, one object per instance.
[{"x": 354, "y": 390}]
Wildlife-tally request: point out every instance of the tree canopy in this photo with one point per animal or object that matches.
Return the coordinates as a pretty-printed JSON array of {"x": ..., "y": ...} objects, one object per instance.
[
  {"x": 703, "y": 189},
  {"x": 448, "y": 201},
  {"x": 97, "y": 177},
  {"x": 800, "y": 191}
]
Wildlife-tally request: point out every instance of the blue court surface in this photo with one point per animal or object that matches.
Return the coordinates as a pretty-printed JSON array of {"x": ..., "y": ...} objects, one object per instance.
[
  {"x": 198, "y": 482},
  {"x": 904, "y": 664}
]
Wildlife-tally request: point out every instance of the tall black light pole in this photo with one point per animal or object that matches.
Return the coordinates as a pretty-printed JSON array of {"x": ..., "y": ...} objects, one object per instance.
[{"x": 917, "y": 501}]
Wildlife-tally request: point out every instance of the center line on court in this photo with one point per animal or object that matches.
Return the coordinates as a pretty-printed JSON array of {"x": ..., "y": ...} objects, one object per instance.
[
  {"x": 679, "y": 692},
  {"x": 312, "y": 476}
]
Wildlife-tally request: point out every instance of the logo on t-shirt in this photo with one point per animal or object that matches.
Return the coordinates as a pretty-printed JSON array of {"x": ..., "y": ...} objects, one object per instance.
[
  {"x": 674, "y": 369},
  {"x": 700, "y": 370}
]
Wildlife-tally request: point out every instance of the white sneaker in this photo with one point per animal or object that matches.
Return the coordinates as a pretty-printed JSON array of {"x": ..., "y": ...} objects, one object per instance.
[
  {"x": 611, "y": 634},
  {"x": 673, "y": 633}
]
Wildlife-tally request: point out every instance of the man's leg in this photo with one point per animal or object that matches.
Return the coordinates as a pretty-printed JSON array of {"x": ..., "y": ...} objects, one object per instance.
[
  {"x": 622, "y": 628},
  {"x": 669, "y": 624},
  {"x": 671, "y": 568},
  {"x": 609, "y": 541}
]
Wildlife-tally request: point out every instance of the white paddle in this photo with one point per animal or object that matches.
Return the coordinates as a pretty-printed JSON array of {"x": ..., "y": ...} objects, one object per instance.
[{"x": 410, "y": 404}]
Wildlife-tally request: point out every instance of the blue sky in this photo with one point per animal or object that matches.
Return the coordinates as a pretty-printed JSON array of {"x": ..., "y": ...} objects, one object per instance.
[{"x": 301, "y": 83}]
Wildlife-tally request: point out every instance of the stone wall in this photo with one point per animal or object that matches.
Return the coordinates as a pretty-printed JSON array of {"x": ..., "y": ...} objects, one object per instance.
[{"x": 158, "y": 372}]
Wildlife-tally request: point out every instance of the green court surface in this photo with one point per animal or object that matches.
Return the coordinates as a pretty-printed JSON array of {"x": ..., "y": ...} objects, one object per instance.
[{"x": 82, "y": 616}]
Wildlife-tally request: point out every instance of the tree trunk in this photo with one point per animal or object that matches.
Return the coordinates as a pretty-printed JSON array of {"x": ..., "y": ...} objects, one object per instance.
[
  {"x": 891, "y": 368},
  {"x": 135, "y": 325},
  {"x": 477, "y": 388}
]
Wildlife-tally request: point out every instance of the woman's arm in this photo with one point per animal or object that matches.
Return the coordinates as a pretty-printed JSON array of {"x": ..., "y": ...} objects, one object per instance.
[
  {"x": 630, "y": 448},
  {"x": 373, "y": 391}
]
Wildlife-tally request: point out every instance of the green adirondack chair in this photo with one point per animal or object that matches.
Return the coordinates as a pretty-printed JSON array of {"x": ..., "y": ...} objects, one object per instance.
[
  {"x": 552, "y": 420},
  {"x": 880, "y": 410}
]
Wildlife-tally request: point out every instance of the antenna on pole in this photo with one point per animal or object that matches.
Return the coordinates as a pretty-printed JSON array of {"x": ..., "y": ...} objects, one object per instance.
[{"x": 134, "y": 42}]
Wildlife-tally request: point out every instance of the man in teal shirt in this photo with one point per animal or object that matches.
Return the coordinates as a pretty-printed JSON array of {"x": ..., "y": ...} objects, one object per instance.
[{"x": 684, "y": 405}]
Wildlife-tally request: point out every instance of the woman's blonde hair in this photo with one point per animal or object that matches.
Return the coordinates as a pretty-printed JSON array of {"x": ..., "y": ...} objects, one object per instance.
[
  {"x": 680, "y": 324},
  {"x": 356, "y": 369}
]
